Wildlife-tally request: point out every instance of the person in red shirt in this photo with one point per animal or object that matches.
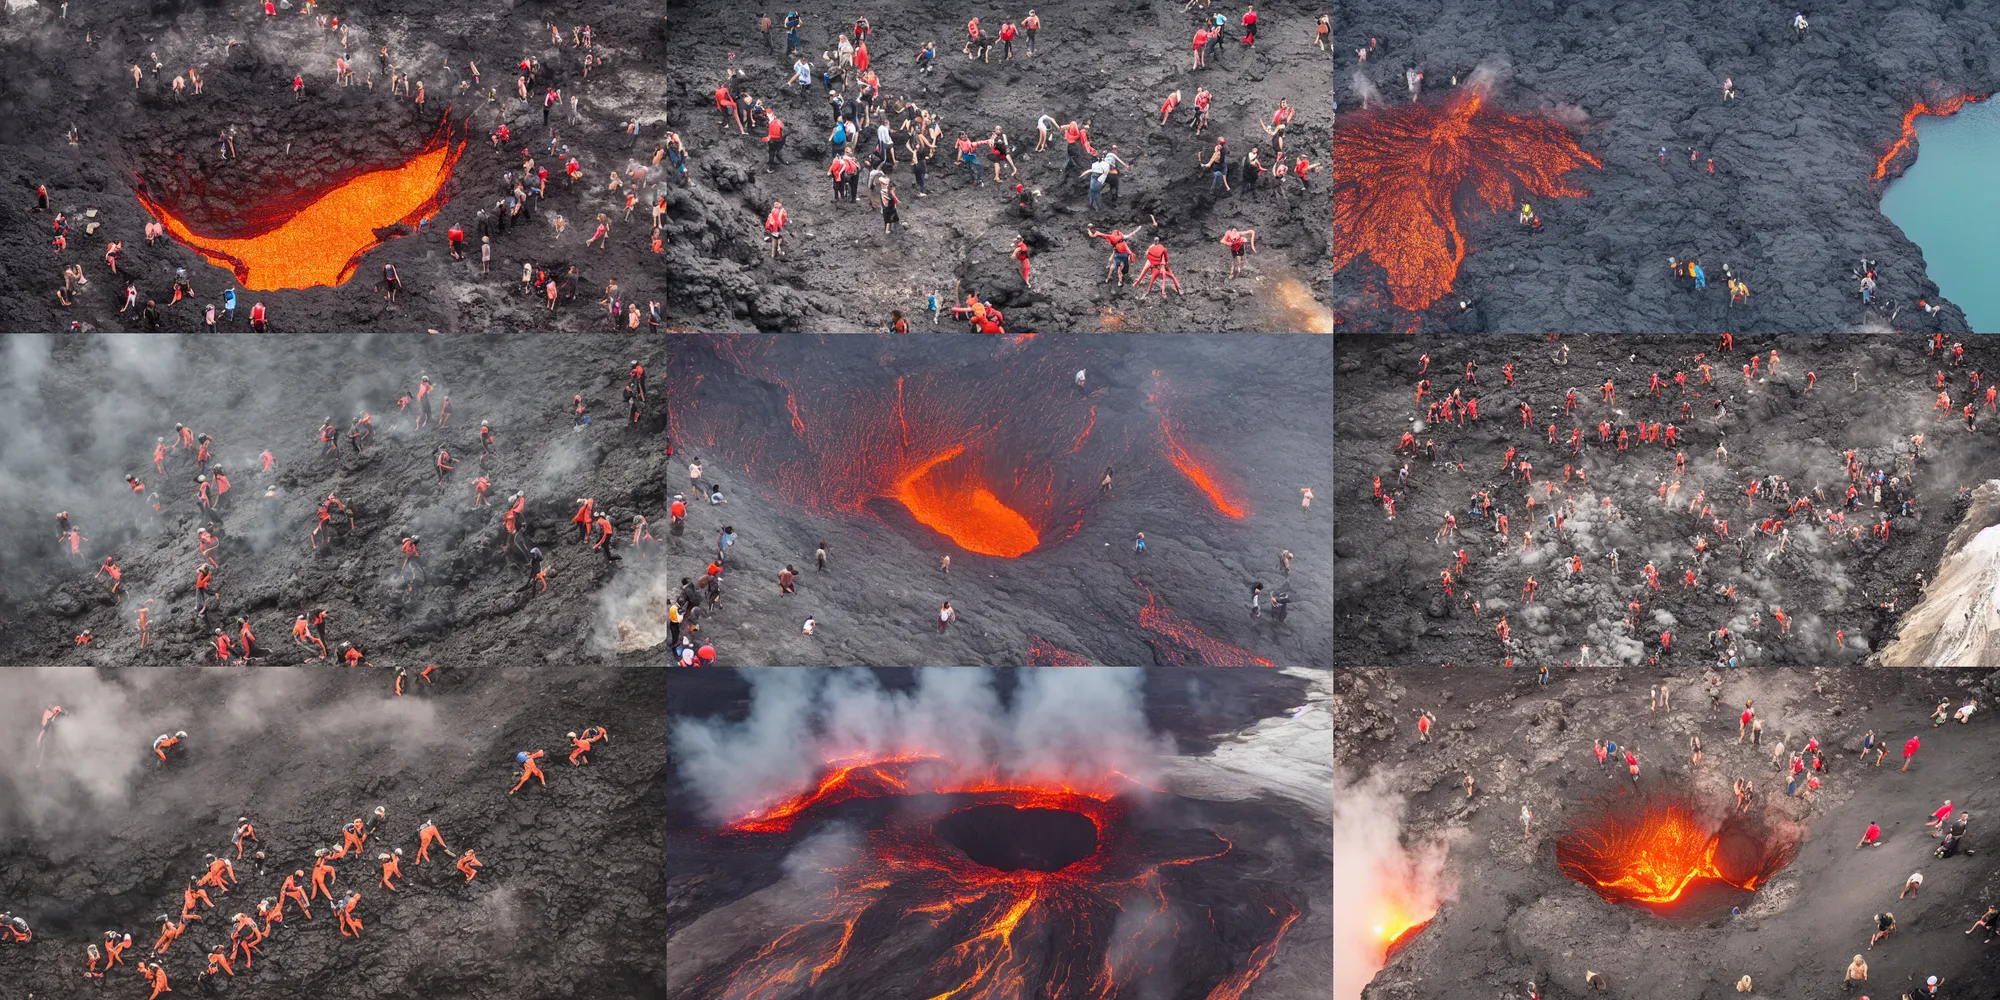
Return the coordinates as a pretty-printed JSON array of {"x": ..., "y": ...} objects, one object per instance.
[
  {"x": 1021, "y": 254},
  {"x": 1200, "y": 46},
  {"x": 726, "y": 102},
  {"x": 774, "y": 227},
  {"x": 774, "y": 142},
  {"x": 1007, "y": 41},
  {"x": 456, "y": 235},
  {"x": 1910, "y": 752},
  {"x": 257, "y": 318},
  {"x": 1156, "y": 266},
  {"x": 1250, "y": 26}
]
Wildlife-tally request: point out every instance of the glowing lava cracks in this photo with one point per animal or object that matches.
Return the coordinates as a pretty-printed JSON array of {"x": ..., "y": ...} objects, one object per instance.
[
  {"x": 322, "y": 243},
  {"x": 1398, "y": 170},
  {"x": 985, "y": 933},
  {"x": 1651, "y": 853},
  {"x": 1946, "y": 107}
]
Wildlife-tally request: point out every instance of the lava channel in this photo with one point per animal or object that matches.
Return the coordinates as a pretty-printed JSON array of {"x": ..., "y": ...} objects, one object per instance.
[
  {"x": 323, "y": 242},
  {"x": 949, "y": 498},
  {"x": 995, "y": 888},
  {"x": 1659, "y": 850},
  {"x": 1398, "y": 171},
  {"x": 1908, "y": 135}
]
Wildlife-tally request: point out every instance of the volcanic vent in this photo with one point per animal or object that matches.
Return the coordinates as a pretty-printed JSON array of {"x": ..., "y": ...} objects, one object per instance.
[
  {"x": 1010, "y": 839},
  {"x": 1664, "y": 851}
]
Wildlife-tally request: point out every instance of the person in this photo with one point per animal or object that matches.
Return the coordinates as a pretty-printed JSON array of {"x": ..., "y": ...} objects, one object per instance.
[
  {"x": 469, "y": 864},
  {"x": 529, "y": 769},
  {"x": 774, "y": 228},
  {"x": 786, "y": 577},
  {"x": 1237, "y": 240},
  {"x": 1911, "y": 885},
  {"x": 1987, "y": 920},
  {"x": 1964, "y": 713},
  {"x": 819, "y": 556},
  {"x": 1939, "y": 817},
  {"x": 1884, "y": 923},
  {"x": 1857, "y": 971},
  {"x": 1871, "y": 837},
  {"x": 1424, "y": 723},
  {"x": 1139, "y": 543},
  {"x": 1910, "y": 751},
  {"x": 945, "y": 616},
  {"x": 1527, "y": 818}
]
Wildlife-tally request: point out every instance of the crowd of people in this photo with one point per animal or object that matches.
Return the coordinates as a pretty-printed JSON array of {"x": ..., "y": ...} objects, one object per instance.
[{"x": 1524, "y": 525}]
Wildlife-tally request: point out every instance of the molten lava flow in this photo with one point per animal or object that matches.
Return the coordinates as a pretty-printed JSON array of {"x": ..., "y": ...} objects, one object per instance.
[
  {"x": 322, "y": 243},
  {"x": 955, "y": 504},
  {"x": 1010, "y": 887},
  {"x": 1651, "y": 852},
  {"x": 1198, "y": 474},
  {"x": 1398, "y": 170},
  {"x": 1908, "y": 135},
  {"x": 1208, "y": 651},
  {"x": 1042, "y": 653},
  {"x": 1396, "y": 921}
]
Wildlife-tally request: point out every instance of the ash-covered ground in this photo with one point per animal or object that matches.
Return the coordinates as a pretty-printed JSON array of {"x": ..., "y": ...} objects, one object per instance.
[
  {"x": 809, "y": 439},
  {"x": 98, "y": 835},
  {"x": 1796, "y": 572},
  {"x": 1111, "y": 63},
  {"x": 239, "y": 122},
  {"x": 1224, "y": 772},
  {"x": 1792, "y": 205},
  {"x": 1409, "y": 842}
]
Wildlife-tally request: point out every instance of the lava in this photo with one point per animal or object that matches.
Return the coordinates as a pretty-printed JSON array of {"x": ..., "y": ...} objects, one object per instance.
[
  {"x": 1908, "y": 135},
  {"x": 1653, "y": 851},
  {"x": 954, "y": 503},
  {"x": 1042, "y": 653},
  {"x": 997, "y": 462},
  {"x": 1198, "y": 474},
  {"x": 1208, "y": 651},
  {"x": 322, "y": 243},
  {"x": 1005, "y": 886},
  {"x": 1398, "y": 171}
]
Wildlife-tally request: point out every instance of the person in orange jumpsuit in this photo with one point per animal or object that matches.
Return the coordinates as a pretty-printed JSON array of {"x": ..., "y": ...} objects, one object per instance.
[
  {"x": 220, "y": 873},
  {"x": 271, "y": 915},
  {"x": 469, "y": 863},
  {"x": 427, "y": 835},
  {"x": 221, "y": 647},
  {"x": 164, "y": 743},
  {"x": 111, "y": 566},
  {"x": 189, "y": 895},
  {"x": 529, "y": 769},
  {"x": 114, "y": 949},
  {"x": 244, "y": 938},
  {"x": 353, "y": 837},
  {"x": 352, "y": 654},
  {"x": 92, "y": 971},
  {"x": 169, "y": 932},
  {"x": 322, "y": 874},
  {"x": 244, "y": 830},
  {"x": 291, "y": 892},
  {"x": 582, "y": 744},
  {"x": 158, "y": 977},
  {"x": 345, "y": 911},
  {"x": 218, "y": 958},
  {"x": 583, "y": 519},
  {"x": 392, "y": 868},
  {"x": 301, "y": 633}
]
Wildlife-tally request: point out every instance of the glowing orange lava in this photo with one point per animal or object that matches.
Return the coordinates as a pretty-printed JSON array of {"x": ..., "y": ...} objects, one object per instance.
[
  {"x": 322, "y": 243},
  {"x": 1398, "y": 170},
  {"x": 1947, "y": 106},
  {"x": 1208, "y": 651},
  {"x": 954, "y": 503},
  {"x": 1652, "y": 852},
  {"x": 1395, "y": 922},
  {"x": 994, "y": 934}
]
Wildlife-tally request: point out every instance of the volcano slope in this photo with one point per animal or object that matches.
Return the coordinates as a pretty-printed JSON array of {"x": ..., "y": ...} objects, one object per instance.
[
  {"x": 1842, "y": 588},
  {"x": 1801, "y": 158},
  {"x": 1406, "y": 833},
  {"x": 1108, "y": 61},
  {"x": 844, "y": 440},
  {"x": 99, "y": 835},
  {"x": 820, "y": 821}
]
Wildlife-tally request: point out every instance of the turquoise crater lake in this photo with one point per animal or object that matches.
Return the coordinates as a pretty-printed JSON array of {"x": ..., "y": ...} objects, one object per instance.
[{"x": 1948, "y": 203}]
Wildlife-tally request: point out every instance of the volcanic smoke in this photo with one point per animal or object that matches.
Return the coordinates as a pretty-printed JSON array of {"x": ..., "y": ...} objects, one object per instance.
[
  {"x": 1908, "y": 135},
  {"x": 323, "y": 242},
  {"x": 999, "y": 843},
  {"x": 1398, "y": 171},
  {"x": 1385, "y": 893}
]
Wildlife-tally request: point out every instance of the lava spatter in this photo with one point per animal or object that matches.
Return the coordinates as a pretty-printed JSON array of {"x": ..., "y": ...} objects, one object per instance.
[
  {"x": 1009, "y": 886},
  {"x": 1399, "y": 170}
]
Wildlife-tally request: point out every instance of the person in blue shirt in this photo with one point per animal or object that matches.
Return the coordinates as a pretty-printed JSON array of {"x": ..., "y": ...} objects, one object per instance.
[
  {"x": 229, "y": 304},
  {"x": 1139, "y": 543},
  {"x": 723, "y": 542}
]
